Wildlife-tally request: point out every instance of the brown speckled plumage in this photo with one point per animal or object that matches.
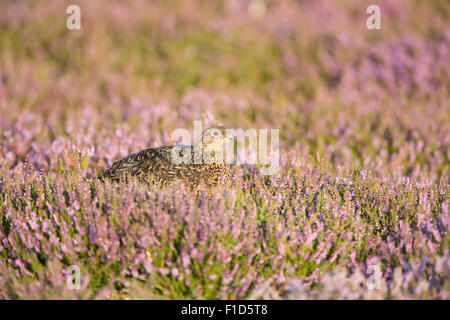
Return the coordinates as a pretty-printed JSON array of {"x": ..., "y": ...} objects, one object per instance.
[{"x": 155, "y": 166}]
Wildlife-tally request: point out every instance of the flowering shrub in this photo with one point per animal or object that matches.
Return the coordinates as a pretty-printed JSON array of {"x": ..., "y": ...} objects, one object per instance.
[{"x": 364, "y": 123}]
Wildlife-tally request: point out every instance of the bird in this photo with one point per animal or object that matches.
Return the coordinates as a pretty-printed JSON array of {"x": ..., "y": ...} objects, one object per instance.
[{"x": 201, "y": 164}]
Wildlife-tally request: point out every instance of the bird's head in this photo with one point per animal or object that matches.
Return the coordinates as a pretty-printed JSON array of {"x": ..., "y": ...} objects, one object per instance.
[
  {"x": 216, "y": 137},
  {"x": 212, "y": 144}
]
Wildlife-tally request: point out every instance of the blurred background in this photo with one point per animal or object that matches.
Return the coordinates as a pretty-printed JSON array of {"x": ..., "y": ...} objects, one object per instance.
[{"x": 139, "y": 69}]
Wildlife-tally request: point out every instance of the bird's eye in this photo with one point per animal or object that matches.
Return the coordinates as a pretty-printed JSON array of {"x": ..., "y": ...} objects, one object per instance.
[{"x": 215, "y": 133}]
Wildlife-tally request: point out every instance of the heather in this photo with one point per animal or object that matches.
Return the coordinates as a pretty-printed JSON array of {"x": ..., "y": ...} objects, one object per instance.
[{"x": 364, "y": 123}]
